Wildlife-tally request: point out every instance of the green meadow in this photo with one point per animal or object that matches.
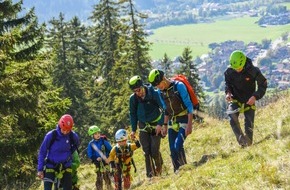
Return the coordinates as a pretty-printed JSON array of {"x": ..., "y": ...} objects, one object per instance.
[{"x": 173, "y": 39}]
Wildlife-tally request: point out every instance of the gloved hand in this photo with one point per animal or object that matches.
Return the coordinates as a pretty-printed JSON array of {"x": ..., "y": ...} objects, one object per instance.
[{"x": 96, "y": 161}]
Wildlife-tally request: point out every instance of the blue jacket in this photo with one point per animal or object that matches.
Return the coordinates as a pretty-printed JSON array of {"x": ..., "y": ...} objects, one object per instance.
[
  {"x": 147, "y": 109},
  {"x": 102, "y": 144},
  {"x": 59, "y": 151}
]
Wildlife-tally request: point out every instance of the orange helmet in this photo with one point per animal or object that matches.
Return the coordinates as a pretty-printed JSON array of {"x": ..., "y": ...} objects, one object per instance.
[{"x": 66, "y": 122}]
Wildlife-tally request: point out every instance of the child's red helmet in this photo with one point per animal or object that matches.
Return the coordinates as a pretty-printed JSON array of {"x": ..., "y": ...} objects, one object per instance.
[{"x": 66, "y": 122}]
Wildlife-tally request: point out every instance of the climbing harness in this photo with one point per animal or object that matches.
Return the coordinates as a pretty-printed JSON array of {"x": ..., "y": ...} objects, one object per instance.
[
  {"x": 176, "y": 126},
  {"x": 242, "y": 108},
  {"x": 148, "y": 126},
  {"x": 58, "y": 174}
]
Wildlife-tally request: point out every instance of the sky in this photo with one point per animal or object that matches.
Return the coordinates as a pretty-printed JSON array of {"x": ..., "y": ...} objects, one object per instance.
[{"x": 47, "y": 9}]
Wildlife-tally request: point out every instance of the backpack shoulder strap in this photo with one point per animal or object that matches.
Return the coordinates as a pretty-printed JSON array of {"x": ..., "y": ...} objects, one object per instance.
[
  {"x": 53, "y": 137},
  {"x": 175, "y": 82},
  {"x": 118, "y": 153},
  {"x": 74, "y": 144},
  {"x": 150, "y": 96},
  {"x": 104, "y": 147}
]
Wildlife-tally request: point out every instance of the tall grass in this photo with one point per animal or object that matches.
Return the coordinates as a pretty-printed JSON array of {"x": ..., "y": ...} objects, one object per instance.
[
  {"x": 173, "y": 39},
  {"x": 264, "y": 165}
]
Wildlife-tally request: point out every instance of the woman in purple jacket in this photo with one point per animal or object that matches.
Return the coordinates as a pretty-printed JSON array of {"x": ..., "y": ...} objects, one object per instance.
[{"x": 55, "y": 154}]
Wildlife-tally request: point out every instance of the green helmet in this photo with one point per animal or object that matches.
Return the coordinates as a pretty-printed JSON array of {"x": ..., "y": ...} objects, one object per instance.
[
  {"x": 237, "y": 60},
  {"x": 94, "y": 129},
  {"x": 135, "y": 82},
  {"x": 155, "y": 77}
]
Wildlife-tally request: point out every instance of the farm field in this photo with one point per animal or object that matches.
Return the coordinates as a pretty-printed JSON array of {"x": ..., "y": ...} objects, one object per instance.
[{"x": 173, "y": 39}]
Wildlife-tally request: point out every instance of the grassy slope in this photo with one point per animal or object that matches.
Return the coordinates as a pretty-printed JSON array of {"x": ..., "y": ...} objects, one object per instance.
[
  {"x": 173, "y": 39},
  {"x": 265, "y": 165}
]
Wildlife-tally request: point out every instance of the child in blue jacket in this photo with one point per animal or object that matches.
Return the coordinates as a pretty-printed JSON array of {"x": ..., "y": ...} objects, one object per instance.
[{"x": 98, "y": 151}]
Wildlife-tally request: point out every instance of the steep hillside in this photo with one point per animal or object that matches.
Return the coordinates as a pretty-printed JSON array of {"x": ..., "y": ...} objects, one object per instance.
[{"x": 265, "y": 165}]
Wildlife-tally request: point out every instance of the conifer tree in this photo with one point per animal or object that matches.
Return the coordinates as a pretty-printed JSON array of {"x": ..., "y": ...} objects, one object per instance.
[
  {"x": 20, "y": 37},
  {"x": 166, "y": 63},
  {"x": 72, "y": 70},
  {"x": 104, "y": 35},
  {"x": 29, "y": 104},
  {"x": 135, "y": 40},
  {"x": 131, "y": 58}
]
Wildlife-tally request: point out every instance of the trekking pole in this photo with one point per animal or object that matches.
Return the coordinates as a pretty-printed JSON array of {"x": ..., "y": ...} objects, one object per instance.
[{"x": 99, "y": 151}]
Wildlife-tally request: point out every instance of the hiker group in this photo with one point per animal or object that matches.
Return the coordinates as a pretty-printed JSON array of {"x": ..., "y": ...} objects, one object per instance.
[{"x": 164, "y": 107}]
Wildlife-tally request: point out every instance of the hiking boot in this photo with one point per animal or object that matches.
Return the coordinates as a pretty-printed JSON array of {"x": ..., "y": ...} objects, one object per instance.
[
  {"x": 242, "y": 141},
  {"x": 127, "y": 181},
  {"x": 149, "y": 179},
  {"x": 76, "y": 187},
  {"x": 249, "y": 141},
  {"x": 158, "y": 171},
  {"x": 109, "y": 187}
]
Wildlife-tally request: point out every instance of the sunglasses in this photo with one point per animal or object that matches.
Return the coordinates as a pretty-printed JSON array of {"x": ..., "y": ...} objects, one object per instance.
[{"x": 156, "y": 83}]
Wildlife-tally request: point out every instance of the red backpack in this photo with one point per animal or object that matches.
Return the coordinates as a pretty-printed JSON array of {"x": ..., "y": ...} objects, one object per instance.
[{"x": 183, "y": 79}]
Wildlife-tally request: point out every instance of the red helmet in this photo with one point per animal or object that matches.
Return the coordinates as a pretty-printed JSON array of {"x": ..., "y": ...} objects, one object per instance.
[{"x": 66, "y": 122}]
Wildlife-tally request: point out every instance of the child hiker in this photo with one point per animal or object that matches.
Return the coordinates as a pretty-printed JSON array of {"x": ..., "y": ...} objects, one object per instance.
[
  {"x": 120, "y": 159},
  {"x": 98, "y": 151}
]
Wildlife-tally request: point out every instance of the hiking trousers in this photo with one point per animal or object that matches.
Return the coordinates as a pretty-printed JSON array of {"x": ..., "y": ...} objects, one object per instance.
[
  {"x": 176, "y": 140},
  {"x": 243, "y": 138},
  {"x": 103, "y": 174},
  {"x": 151, "y": 147},
  {"x": 122, "y": 173}
]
